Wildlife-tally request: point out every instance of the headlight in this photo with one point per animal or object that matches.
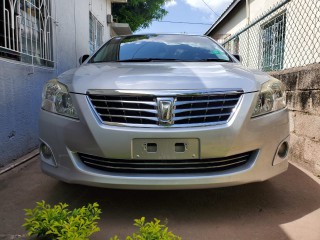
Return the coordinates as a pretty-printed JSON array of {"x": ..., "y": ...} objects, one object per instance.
[
  {"x": 271, "y": 98},
  {"x": 56, "y": 99}
]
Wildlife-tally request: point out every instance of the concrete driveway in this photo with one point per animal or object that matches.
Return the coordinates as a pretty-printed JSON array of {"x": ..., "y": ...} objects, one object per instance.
[{"x": 286, "y": 207}]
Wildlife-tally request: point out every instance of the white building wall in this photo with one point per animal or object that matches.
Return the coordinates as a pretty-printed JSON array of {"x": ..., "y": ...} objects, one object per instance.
[
  {"x": 302, "y": 31},
  {"x": 72, "y": 29},
  {"x": 241, "y": 18},
  {"x": 232, "y": 25},
  {"x": 257, "y": 7},
  {"x": 100, "y": 9},
  {"x": 21, "y": 84}
]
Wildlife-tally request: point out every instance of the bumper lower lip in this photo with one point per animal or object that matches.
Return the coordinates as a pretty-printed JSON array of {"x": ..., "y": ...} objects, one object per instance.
[{"x": 74, "y": 176}]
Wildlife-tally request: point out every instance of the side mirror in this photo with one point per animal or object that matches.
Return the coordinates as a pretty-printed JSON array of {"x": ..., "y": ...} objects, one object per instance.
[
  {"x": 238, "y": 57},
  {"x": 83, "y": 58}
]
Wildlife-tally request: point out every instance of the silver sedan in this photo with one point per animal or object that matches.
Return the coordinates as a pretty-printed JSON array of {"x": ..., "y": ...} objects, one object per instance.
[{"x": 163, "y": 112}]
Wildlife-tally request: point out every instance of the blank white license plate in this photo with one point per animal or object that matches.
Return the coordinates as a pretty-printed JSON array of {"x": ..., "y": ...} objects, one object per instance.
[{"x": 160, "y": 148}]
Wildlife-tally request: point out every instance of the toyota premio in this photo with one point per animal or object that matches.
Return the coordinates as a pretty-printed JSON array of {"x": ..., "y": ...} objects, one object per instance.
[{"x": 163, "y": 112}]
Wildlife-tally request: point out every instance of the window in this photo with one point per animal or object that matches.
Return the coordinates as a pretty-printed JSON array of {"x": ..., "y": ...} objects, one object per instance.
[
  {"x": 26, "y": 31},
  {"x": 96, "y": 33},
  {"x": 236, "y": 45},
  {"x": 273, "y": 40},
  {"x": 227, "y": 46}
]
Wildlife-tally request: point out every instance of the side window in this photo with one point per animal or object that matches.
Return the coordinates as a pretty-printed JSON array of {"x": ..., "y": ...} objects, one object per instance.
[
  {"x": 26, "y": 31},
  {"x": 273, "y": 40},
  {"x": 95, "y": 33}
]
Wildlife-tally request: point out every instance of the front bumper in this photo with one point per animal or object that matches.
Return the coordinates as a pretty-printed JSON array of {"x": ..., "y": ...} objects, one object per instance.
[{"x": 66, "y": 137}]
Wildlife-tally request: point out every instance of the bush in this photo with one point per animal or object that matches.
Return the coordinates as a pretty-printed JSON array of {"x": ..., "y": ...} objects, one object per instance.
[
  {"x": 150, "y": 231},
  {"x": 60, "y": 223}
]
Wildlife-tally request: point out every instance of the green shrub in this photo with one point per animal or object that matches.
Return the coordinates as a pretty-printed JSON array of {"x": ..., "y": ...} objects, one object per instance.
[
  {"x": 58, "y": 222},
  {"x": 150, "y": 231}
]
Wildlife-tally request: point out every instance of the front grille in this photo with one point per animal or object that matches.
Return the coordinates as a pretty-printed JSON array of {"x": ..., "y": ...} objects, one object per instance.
[
  {"x": 126, "y": 109},
  {"x": 187, "y": 109},
  {"x": 166, "y": 166}
]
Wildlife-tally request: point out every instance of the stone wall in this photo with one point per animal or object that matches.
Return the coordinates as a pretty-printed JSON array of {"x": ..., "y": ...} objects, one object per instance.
[{"x": 303, "y": 99}]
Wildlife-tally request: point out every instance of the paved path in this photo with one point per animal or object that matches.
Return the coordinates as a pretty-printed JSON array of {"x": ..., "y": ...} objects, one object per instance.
[{"x": 286, "y": 207}]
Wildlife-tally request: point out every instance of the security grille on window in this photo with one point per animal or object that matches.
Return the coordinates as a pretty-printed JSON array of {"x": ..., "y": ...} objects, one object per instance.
[
  {"x": 273, "y": 40},
  {"x": 26, "y": 31},
  {"x": 228, "y": 47},
  {"x": 96, "y": 33},
  {"x": 236, "y": 46}
]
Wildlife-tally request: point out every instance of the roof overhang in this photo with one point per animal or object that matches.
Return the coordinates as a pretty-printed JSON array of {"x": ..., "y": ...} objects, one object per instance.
[
  {"x": 121, "y": 28},
  {"x": 223, "y": 15},
  {"x": 119, "y": 1}
]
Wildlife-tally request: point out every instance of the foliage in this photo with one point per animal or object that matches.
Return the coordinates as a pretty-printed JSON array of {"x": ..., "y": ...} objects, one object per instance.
[
  {"x": 150, "y": 231},
  {"x": 139, "y": 13},
  {"x": 58, "y": 222}
]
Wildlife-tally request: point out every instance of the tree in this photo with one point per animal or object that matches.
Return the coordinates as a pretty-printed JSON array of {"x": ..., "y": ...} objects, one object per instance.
[{"x": 139, "y": 13}]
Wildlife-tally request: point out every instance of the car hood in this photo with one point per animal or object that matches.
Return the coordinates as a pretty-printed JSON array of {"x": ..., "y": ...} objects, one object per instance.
[{"x": 162, "y": 76}]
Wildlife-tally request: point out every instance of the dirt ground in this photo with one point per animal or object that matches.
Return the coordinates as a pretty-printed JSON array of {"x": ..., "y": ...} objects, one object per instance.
[{"x": 285, "y": 207}]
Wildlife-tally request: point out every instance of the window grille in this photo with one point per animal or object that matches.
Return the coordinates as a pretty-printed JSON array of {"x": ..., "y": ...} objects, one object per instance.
[
  {"x": 236, "y": 45},
  {"x": 228, "y": 46},
  {"x": 26, "y": 31},
  {"x": 96, "y": 33},
  {"x": 273, "y": 39}
]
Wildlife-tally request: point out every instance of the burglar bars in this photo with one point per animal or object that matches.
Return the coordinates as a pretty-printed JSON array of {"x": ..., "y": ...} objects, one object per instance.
[{"x": 26, "y": 31}]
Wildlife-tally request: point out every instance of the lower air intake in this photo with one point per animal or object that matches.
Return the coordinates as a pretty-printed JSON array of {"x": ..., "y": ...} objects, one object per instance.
[{"x": 166, "y": 166}]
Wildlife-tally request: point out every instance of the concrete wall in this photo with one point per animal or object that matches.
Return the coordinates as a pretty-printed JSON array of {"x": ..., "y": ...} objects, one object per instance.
[
  {"x": 303, "y": 91},
  {"x": 21, "y": 84},
  {"x": 20, "y": 99}
]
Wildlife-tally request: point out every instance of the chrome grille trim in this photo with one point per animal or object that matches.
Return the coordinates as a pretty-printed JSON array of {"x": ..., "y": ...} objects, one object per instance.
[
  {"x": 205, "y": 101},
  {"x": 199, "y": 109},
  {"x": 128, "y": 109},
  {"x": 164, "y": 93},
  {"x": 166, "y": 166},
  {"x": 191, "y": 108},
  {"x": 138, "y": 117},
  {"x": 201, "y": 116},
  {"x": 133, "y": 102}
]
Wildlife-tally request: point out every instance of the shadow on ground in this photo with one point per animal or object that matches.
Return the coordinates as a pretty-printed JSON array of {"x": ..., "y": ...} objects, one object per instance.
[{"x": 253, "y": 211}]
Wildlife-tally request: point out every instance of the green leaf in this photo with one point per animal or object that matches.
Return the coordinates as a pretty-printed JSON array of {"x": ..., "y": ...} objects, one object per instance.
[
  {"x": 139, "y": 13},
  {"x": 58, "y": 222}
]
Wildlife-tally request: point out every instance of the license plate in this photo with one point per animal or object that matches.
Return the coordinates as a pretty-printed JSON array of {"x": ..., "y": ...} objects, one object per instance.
[{"x": 160, "y": 148}]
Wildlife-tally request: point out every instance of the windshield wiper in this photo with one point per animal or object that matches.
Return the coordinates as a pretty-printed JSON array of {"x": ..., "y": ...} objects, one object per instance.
[
  {"x": 214, "y": 60},
  {"x": 148, "y": 60}
]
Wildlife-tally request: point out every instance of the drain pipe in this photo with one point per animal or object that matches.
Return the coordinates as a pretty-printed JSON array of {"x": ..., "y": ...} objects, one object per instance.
[
  {"x": 248, "y": 23},
  {"x": 248, "y": 11}
]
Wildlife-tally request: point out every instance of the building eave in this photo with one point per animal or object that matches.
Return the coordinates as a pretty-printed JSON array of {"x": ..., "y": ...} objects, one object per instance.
[
  {"x": 223, "y": 16},
  {"x": 121, "y": 28},
  {"x": 119, "y": 1}
]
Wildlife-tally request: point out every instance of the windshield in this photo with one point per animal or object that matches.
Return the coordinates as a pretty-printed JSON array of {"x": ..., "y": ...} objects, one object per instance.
[{"x": 144, "y": 48}]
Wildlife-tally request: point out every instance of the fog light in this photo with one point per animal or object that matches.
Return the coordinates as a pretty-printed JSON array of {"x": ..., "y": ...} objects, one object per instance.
[
  {"x": 45, "y": 150},
  {"x": 47, "y": 155},
  {"x": 283, "y": 150}
]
